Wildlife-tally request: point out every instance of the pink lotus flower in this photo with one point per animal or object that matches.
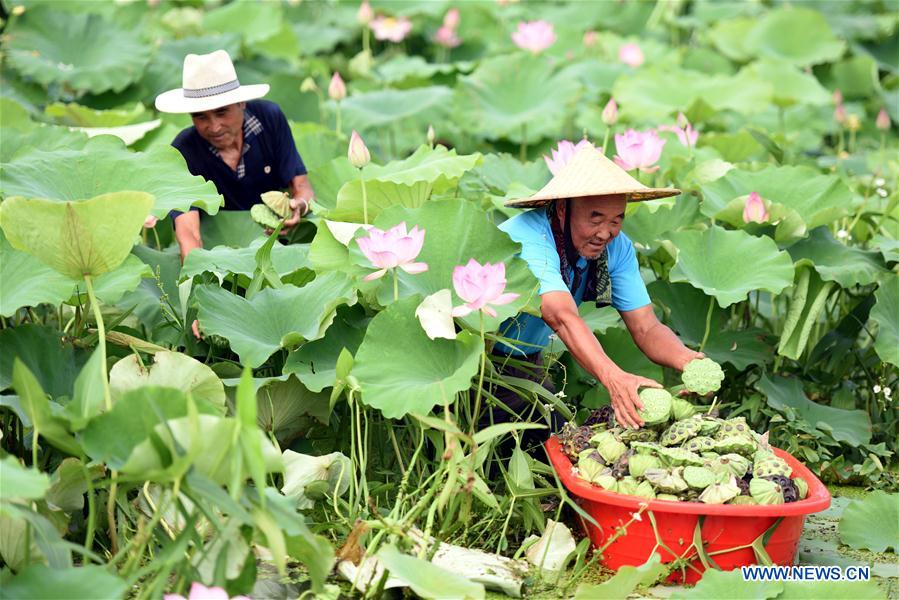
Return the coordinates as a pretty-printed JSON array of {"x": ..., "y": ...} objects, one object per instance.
[
  {"x": 754, "y": 210},
  {"x": 337, "y": 88},
  {"x": 198, "y": 591},
  {"x": 393, "y": 248},
  {"x": 631, "y": 55},
  {"x": 610, "y": 112},
  {"x": 365, "y": 13},
  {"x": 839, "y": 114},
  {"x": 591, "y": 38},
  {"x": 358, "y": 152},
  {"x": 150, "y": 222},
  {"x": 837, "y": 97},
  {"x": 480, "y": 286},
  {"x": 391, "y": 28},
  {"x": 534, "y": 36},
  {"x": 883, "y": 120},
  {"x": 451, "y": 18},
  {"x": 685, "y": 133},
  {"x": 564, "y": 152},
  {"x": 446, "y": 37},
  {"x": 638, "y": 150}
]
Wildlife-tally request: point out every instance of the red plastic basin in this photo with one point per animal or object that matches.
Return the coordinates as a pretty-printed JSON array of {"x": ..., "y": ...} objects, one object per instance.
[{"x": 725, "y": 526}]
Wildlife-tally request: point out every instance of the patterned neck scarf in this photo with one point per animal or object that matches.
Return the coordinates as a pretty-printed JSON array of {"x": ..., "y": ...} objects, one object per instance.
[{"x": 599, "y": 284}]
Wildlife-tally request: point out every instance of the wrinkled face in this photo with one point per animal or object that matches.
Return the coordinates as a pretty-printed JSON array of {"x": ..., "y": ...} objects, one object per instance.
[
  {"x": 595, "y": 221},
  {"x": 221, "y": 127}
]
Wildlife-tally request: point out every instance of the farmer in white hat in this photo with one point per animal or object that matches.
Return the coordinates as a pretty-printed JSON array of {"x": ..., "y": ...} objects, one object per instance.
[
  {"x": 572, "y": 242},
  {"x": 241, "y": 144}
]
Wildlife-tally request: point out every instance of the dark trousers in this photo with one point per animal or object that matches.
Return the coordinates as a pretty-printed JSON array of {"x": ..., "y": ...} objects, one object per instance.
[{"x": 523, "y": 409}]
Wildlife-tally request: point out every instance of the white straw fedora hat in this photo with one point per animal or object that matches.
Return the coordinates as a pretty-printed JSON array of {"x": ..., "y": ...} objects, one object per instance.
[
  {"x": 590, "y": 173},
  {"x": 208, "y": 81}
]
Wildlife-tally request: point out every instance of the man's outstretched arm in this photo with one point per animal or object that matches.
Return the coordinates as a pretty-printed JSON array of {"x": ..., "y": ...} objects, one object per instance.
[
  {"x": 656, "y": 340},
  {"x": 187, "y": 232},
  {"x": 560, "y": 313}
]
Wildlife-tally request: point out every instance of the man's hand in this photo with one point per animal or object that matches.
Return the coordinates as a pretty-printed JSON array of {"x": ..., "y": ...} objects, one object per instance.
[
  {"x": 300, "y": 207},
  {"x": 687, "y": 356},
  {"x": 623, "y": 388}
]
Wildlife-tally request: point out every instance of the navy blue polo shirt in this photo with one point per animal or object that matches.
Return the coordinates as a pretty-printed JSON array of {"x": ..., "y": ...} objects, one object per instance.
[{"x": 269, "y": 160}]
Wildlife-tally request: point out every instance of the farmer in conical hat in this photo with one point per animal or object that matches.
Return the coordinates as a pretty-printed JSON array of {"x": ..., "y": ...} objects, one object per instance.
[
  {"x": 572, "y": 241},
  {"x": 241, "y": 144}
]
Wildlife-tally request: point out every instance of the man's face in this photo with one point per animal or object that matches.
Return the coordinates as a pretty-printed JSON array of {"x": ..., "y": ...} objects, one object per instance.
[
  {"x": 595, "y": 221},
  {"x": 221, "y": 127}
]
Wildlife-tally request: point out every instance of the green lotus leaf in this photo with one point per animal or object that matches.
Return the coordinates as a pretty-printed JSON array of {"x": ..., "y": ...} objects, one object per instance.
[
  {"x": 88, "y": 237},
  {"x": 222, "y": 260},
  {"x": 646, "y": 224},
  {"x": 734, "y": 147},
  {"x": 229, "y": 228},
  {"x": 104, "y": 165},
  {"x": 38, "y": 409},
  {"x": 19, "y": 483},
  {"x": 886, "y": 314},
  {"x": 41, "y": 581},
  {"x": 654, "y": 93},
  {"x": 112, "y": 436},
  {"x": 14, "y": 116},
  {"x": 888, "y": 247},
  {"x": 254, "y": 21},
  {"x": 809, "y": 295},
  {"x": 456, "y": 232},
  {"x": 17, "y": 143},
  {"x": 408, "y": 182},
  {"x": 815, "y": 198},
  {"x": 416, "y": 108},
  {"x": 787, "y": 396},
  {"x": 834, "y": 261},
  {"x": 84, "y": 52},
  {"x": 793, "y": 86},
  {"x": 516, "y": 97},
  {"x": 872, "y": 523},
  {"x": 385, "y": 372},
  {"x": 329, "y": 178},
  {"x": 400, "y": 68},
  {"x": 76, "y": 115},
  {"x": 271, "y": 320},
  {"x": 282, "y": 44},
  {"x": 715, "y": 261},
  {"x": 856, "y": 77},
  {"x": 800, "y": 36},
  {"x": 51, "y": 359},
  {"x": 288, "y": 409},
  {"x": 316, "y": 38},
  {"x": 427, "y": 579},
  {"x": 169, "y": 369},
  {"x": 729, "y": 36},
  {"x": 498, "y": 172},
  {"x": 315, "y": 363},
  {"x": 624, "y": 582},
  {"x": 145, "y": 300},
  {"x": 317, "y": 144}
]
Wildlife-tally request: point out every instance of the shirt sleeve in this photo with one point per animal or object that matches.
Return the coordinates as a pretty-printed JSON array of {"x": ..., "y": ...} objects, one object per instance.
[
  {"x": 628, "y": 290},
  {"x": 291, "y": 164},
  {"x": 539, "y": 252}
]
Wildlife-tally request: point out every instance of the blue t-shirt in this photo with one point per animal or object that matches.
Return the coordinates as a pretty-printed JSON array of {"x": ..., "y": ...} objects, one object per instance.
[
  {"x": 532, "y": 230},
  {"x": 269, "y": 161}
]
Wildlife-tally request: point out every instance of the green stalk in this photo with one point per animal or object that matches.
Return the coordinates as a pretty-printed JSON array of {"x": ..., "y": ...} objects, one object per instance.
[
  {"x": 396, "y": 288},
  {"x": 477, "y": 397},
  {"x": 605, "y": 141},
  {"x": 523, "y": 150},
  {"x": 364, "y": 199},
  {"x": 708, "y": 323},
  {"x": 101, "y": 332},
  {"x": 91, "y": 508},
  {"x": 366, "y": 41},
  {"x": 337, "y": 126}
]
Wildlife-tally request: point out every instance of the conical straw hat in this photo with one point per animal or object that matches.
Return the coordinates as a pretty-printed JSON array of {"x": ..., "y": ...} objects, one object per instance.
[{"x": 590, "y": 173}]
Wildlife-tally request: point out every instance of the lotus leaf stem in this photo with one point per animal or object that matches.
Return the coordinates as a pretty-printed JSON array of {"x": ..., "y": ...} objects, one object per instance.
[
  {"x": 364, "y": 199},
  {"x": 708, "y": 323}
]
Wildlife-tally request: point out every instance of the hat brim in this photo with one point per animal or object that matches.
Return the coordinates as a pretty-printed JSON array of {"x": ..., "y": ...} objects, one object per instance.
[
  {"x": 173, "y": 101},
  {"x": 633, "y": 195}
]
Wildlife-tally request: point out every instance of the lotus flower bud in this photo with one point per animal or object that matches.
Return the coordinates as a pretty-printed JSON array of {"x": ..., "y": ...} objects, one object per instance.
[
  {"x": 591, "y": 38},
  {"x": 754, "y": 210},
  {"x": 837, "y": 97},
  {"x": 358, "y": 153},
  {"x": 610, "y": 112},
  {"x": 432, "y": 135},
  {"x": 308, "y": 85},
  {"x": 883, "y": 120},
  {"x": 337, "y": 89},
  {"x": 365, "y": 13},
  {"x": 839, "y": 114},
  {"x": 853, "y": 123}
]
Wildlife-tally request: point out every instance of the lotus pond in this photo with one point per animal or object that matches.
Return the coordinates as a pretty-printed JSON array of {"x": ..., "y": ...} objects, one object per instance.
[{"x": 320, "y": 437}]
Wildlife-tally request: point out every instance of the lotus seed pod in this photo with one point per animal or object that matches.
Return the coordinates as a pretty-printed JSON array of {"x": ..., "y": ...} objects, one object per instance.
[
  {"x": 742, "y": 499},
  {"x": 676, "y": 457},
  {"x": 734, "y": 464},
  {"x": 801, "y": 487},
  {"x": 669, "y": 497},
  {"x": 765, "y": 492},
  {"x": 699, "y": 477},
  {"x": 645, "y": 490},
  {"x": 681, "y": 409},
  {"x": 769, "y": 466},
  {"x": 699, "y": 444},
  {"x": 679, "y": 432},
  {"x": 656, "y": 405},
  {"x": 702, "y": 376},
  {"x": 639, "y": 463},
  {"x": 739, "y": 444},
  {"x": 608, "y": 445},
  {"x": 719, "y": 493},
  {"x": 279, "y": 202},
  {"x": 265, "y": 216},
  {"x": 665, "y": 480},
  {"x": 790, "y": 493}
]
